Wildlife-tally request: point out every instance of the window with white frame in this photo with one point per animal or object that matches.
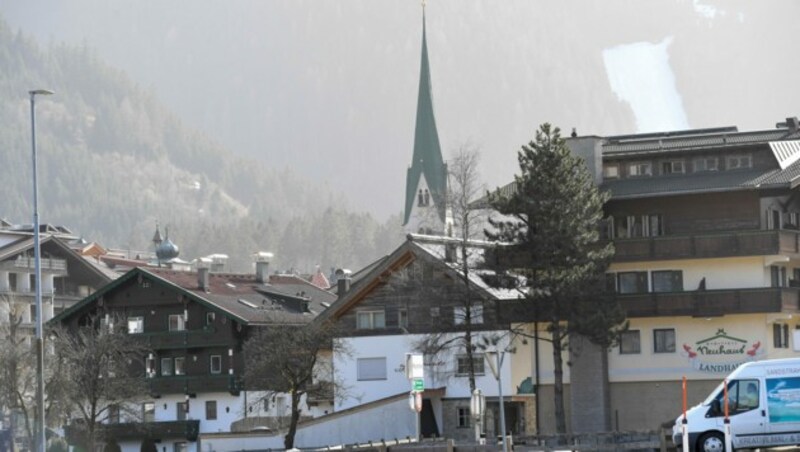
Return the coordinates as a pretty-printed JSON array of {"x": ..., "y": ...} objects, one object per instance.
[
  {"x": 176, "y": 322},
  {"x": 773, "y": 218},
  {"x": 705, "y": 164},
  {"x": 216, "y": 364},
  {"x": 166, "y": 367},
  {"x": 475, "y": 314},
  {"x": 150, "y": 367},
  {"x": 664, "y": 340},
  {"x": 462, "y": 364},
  {"x": 148, "y": 412},
  {"x": 463, "y": 416},
  {"x": 778, "y": 276},
  {"x": 640, "y": 169},
  {"x": 611, "y": 171},
  {"x": 135, "y": 325},
  {"x": 739, "y": 161},
  {"x": 402, "y": 318},
  {"x": 780, "y": 335},
  {"x": 648, "y": 225},
  {"x": 180, "y": 366},
  {"x": 181, "y": 408},
  {"x": 370, "y": 320},
  {"x": 211, "y": 410},
  {"x": 210, "y": 317},
  {"x": 371, "y": 369},
  {"x": 630, "y": 342}
]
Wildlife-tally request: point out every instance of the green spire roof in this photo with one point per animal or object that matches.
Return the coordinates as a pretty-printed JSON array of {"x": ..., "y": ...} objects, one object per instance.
[{"x": 427, "y": 152}]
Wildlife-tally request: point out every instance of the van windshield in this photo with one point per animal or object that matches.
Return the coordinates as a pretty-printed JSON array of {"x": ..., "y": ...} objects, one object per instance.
[{"x": 716, "y": 392}]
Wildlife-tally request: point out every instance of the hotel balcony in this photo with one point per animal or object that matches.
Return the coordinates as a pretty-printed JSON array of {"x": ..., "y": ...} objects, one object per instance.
[
  {"x": 194, "y": 384},
  {"x": 699, "y": 246},
  {"x": 711, "y": 303},
  {"x": 188, "y": 430}
]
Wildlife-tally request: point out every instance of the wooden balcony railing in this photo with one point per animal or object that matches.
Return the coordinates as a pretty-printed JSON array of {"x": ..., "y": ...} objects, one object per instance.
[
  {"x": 185, "y": 384},
  {"x": 199, "y": 338},
  {"x": 698, "y": 303},
  {"x": 711, "y": 303},
  {"x": 722, "y": 244},
  {"x": 29, "y": 263}
]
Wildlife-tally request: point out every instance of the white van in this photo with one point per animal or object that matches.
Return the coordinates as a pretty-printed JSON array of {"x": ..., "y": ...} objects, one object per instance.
[{"x": 763, "y": 407}]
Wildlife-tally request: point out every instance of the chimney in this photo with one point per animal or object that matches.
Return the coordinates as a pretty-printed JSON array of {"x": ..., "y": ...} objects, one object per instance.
[
  {"x": 262, "y": 266},
  {"x": 793, "y": 124},
  {"x": 342, "y": 282},
  {"x": 202, "y": 278}
]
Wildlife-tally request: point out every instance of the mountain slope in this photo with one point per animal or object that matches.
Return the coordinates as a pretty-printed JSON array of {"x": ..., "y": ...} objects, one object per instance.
[{"x": 113, "y": 161}]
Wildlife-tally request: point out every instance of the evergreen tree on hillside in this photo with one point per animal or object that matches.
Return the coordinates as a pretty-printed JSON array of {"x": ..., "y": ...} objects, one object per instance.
[{"x": 552, "y": 223}]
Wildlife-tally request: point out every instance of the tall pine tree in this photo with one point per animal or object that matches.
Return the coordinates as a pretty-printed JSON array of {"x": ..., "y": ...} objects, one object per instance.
[{"x": 552, "y": 222}]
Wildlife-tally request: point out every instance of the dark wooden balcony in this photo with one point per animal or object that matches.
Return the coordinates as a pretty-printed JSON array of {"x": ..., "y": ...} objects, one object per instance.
[
  {"x": 722, "y": 244},
  {"x": 188, "y": 430},
  {"x": 711, "y": 303},
  {"x": 201, "y": 338},
  {"x": 184, "y": 384}
]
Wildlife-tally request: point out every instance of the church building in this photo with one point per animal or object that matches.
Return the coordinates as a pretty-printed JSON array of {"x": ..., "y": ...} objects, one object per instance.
[{"x": 426, "y": 207}]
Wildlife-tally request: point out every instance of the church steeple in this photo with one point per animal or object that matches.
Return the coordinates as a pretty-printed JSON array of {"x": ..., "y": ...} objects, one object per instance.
[{"x": 426, "y": 180}]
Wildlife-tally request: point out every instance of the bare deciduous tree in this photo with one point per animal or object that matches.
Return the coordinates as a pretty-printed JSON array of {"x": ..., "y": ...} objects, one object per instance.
[
  {"x": 288, "y": 359},
  {"x": 100, "y": 370},
  {"x": 17, "y": 365}
]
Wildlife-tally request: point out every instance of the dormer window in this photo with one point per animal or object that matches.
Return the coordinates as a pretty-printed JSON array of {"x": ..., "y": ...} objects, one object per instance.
[
  {"x": 640, "y": 169},
  {"x": 672, "y": 167},
  {"x": 739, "y": 161},
  {"x": 705, "y": 164}
]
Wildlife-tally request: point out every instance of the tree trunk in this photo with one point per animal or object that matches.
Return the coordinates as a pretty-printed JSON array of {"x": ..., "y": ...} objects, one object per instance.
[
  {"x": 468, "y": 312},
  {"x": 471, "y": 360},
  {"x": 288, "y": 441},
  {"x": 558, "y": 373}
]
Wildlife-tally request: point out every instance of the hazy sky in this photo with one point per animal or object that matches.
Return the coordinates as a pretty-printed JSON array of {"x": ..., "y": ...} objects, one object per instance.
[{"x": 329, "y": 88}]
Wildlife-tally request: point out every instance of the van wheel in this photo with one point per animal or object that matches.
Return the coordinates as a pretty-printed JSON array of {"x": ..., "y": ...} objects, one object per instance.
[{"x": 711, "y": 442}]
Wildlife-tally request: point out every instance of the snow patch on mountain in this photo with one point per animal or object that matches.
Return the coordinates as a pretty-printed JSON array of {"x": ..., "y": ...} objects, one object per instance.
[{"x": 640, "y": 74}]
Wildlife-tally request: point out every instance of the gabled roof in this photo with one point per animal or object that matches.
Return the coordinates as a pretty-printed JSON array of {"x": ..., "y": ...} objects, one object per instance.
[
  {"x": 26, "y": 243},
  {"x": 432, "y": 250},
  {"x": 427, "y": 158},
  {"x": 238, "y": 296}
]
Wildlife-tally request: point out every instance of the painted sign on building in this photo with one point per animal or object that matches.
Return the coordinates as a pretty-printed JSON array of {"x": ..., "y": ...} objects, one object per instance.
[{"x": 721, "y": 353}]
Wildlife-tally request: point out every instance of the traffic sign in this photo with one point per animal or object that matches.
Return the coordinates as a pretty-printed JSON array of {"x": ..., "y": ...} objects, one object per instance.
[{"x": 418, "y": 385}]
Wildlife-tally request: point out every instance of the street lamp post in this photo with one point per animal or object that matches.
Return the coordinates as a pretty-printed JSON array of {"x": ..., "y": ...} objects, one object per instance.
[
  {"x": 40, "y": 421},
  {"x": 495, "y": 358}
]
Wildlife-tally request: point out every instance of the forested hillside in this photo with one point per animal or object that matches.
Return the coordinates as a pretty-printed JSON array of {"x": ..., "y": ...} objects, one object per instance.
[{"x": 113, "y": 161}]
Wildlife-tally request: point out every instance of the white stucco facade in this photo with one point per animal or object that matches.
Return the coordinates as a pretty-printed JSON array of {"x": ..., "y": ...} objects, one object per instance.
[{"x": 439, "y": 373}]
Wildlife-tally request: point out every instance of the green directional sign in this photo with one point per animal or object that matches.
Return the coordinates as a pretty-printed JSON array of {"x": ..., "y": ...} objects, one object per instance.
[{"x": 418, "y": 384}]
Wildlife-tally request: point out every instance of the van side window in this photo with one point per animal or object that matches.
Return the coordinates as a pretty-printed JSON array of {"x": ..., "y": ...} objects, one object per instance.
[{"x": 742, "y": 396}]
